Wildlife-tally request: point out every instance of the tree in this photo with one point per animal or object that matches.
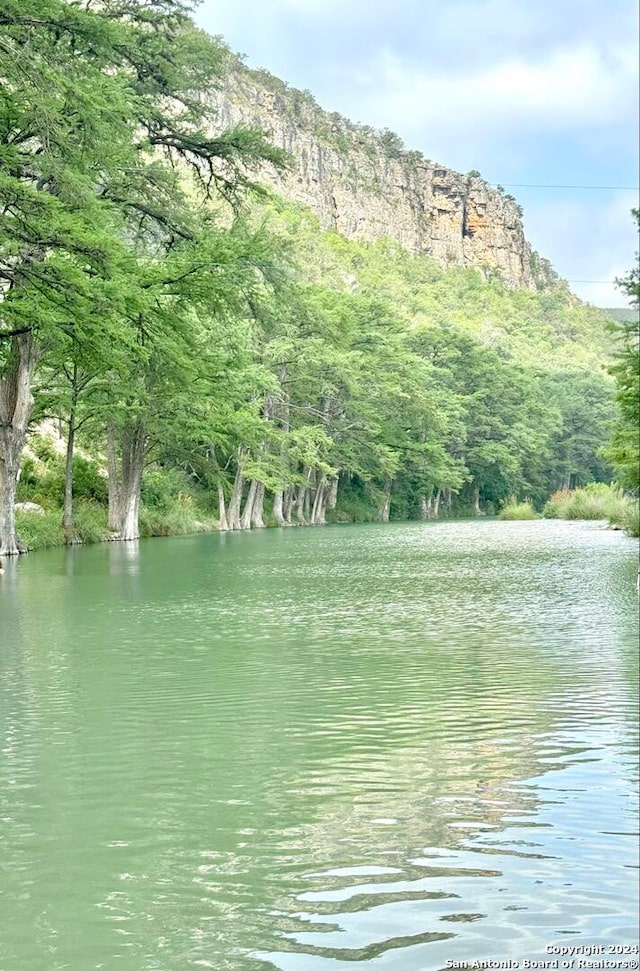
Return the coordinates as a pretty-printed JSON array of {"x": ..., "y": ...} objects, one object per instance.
[
  {"x": 98, "y": 104},
  {"x": 623, "y": 450}
]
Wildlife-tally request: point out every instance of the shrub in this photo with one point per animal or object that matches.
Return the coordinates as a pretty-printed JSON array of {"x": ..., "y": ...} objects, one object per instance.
[
  {"x": 43, "y": 482},
  {"x": 90, "y": 522},
  {"x": 595, "y": 501},
  {"x": 513, "y": 509},
  {"x": 628, "y": 518},
  {"x": 181, "y": 518},
  {"x": 88, "y": 482},
  {"x": 162, "y": 487},
  {"x": 43, "y": 448},
  {"x": 40, "y": 532}
]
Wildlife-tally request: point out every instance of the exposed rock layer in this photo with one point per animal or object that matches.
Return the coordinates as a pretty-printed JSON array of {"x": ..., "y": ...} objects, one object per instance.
[{"x": 363, "y": 183}]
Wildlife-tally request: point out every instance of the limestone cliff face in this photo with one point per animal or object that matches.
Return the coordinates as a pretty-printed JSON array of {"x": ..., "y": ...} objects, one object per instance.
[{"x": 363, "y": 183}]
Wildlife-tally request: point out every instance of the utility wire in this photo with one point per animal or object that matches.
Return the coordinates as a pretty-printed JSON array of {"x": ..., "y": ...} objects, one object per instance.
[{"x": 537, "y": 185}]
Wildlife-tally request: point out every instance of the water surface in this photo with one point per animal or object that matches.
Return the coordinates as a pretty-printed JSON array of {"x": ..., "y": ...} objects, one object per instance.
[{"x": 378, "y": 747}]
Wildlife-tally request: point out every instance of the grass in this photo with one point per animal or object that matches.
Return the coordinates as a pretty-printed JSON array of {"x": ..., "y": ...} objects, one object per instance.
[
  {"x": 40, "y": 532},
  {"x": 513, "y": 509},
  {"x": 595, "y": 501},
  {"x": 629, "y": 518},
  {"x": 176, "y": 521},
  {"x": 353, "y": 508}
]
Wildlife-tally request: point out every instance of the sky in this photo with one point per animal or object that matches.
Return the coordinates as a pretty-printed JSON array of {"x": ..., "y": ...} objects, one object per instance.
[{"x": 540, "y": 93}]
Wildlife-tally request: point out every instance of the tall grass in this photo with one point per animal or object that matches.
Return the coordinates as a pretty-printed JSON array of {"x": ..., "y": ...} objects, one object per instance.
[
  {"x": 178, "y": 520},
  {"x": 595, "y": 501},
  {"x": 513, "y": 509},
  {"x": 42, "y": 531},
  {"x": 38, "y": 531},
  {"x": 629, "y": 519}
]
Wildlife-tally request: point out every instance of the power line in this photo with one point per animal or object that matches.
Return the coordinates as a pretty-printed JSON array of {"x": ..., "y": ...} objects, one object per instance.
[{"x": 539, "y": 185}]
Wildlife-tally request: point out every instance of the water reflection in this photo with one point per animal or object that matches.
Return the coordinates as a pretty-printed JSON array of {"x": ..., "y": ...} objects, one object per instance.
[{"x": 312, "y": 749}]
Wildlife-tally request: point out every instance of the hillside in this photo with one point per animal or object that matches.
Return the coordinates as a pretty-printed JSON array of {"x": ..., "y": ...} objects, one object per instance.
[{"x": 366, "y": 184}]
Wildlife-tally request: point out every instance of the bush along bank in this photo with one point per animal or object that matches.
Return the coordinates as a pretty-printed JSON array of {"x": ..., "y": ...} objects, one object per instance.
[
  {"x": 170, "y": 505},
  {"x": 596, "y": 501}
]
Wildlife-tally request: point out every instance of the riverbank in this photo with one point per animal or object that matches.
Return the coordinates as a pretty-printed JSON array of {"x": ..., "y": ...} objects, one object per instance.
[
  {"x": 43, "y": 530},
  {"x": 595, "y": 502}
]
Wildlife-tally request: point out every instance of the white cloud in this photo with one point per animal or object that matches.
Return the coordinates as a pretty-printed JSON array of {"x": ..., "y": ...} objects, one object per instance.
[
  {"x": 313, "y": 7},
  {"x": 569, "y": 88}
]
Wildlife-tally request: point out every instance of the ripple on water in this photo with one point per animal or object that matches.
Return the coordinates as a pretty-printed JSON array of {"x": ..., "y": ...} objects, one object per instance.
[{"x": 385, "y": 747}]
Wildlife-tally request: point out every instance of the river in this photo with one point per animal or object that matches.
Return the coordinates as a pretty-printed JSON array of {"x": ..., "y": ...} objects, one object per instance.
[{"x": 386, "y": 747}]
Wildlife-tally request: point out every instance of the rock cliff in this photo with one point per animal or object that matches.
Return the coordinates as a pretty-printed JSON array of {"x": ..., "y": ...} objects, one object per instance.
[{"x": 365, "y": 183}]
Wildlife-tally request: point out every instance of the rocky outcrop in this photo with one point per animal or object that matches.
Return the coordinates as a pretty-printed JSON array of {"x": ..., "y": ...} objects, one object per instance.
[{"x": 364, "y": 183}]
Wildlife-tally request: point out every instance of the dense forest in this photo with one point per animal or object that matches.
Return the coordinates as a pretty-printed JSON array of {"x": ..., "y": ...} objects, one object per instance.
[{"x": 210, "y": 356}]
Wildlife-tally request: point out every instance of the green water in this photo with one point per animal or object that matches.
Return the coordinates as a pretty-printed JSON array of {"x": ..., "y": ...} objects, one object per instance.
[{"x": 377, "y": 747}]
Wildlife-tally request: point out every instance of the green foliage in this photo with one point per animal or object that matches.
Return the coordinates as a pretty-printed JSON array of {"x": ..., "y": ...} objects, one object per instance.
[
  {"x": 356, "y": 503},
  {"x": 513, "y": 509},
  {"x": 178, "y": 520},
  {"x": 595, "y": 501},
  {"x": 41, "y": 532},
  {"x": 627, "y": 518},
  {"x": 90, "y": 522},
  {"x": 392, "y": 144},
  {"x": 624, "y": 448},
  {"x": 43, "y": 481},
  {"x": 161, "y": 488}
]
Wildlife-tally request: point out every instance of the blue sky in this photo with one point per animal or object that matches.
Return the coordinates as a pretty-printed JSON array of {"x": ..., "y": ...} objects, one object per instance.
[{"x": 542, "y": 93}]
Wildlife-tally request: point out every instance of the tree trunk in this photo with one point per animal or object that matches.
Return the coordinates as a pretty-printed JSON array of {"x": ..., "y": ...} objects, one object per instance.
[
  {"x": 115, "y": 512},
  {"x": 245, "y": 519},
  {"x": 257, "y": 513},
  {"x": 133, "y": 445},
  {"x": 9, "y": 543},
  {"x": 233, "y": 511},
  {"x": 332, "y": 495},
  {"x": 287, "y": 505},
  {"x": 383, "y": 512},
  {"x": 321, "y": 519},
  {"x": 476, "y": 501},
  {"x": 67, "y": 508},
  {"x": 299, "y": 504},
  {"x": 282, "y": 496},
  {"x": 317, "y": 512},
  {"x": 436, "y": 504},
  {"x": 278, "y": 507},
  {"x": 16, "y": 403},
  {"x": 224, "y": 525},
  {"x": 306, "y": 505}
]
